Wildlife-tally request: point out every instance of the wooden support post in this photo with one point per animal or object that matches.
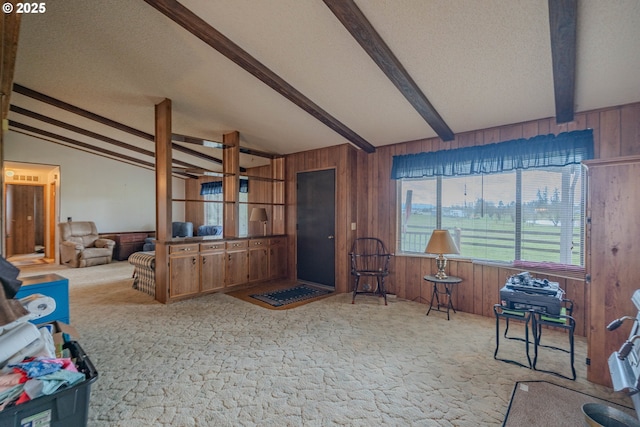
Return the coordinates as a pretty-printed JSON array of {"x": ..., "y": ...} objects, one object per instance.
[
  {"x": 278, "y": 211},
  {"x": 231, "y": 183},
  {"x": 163, "y": 197}
]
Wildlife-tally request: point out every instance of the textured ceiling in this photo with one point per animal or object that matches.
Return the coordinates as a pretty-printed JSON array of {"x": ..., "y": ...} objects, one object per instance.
[{"x": 480, "y": 64}]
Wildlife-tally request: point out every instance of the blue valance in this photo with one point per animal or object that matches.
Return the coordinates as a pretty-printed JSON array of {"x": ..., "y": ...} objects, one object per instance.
[
  {"x": 215, "y": 187},
  {"x": 537, "y": 152}
]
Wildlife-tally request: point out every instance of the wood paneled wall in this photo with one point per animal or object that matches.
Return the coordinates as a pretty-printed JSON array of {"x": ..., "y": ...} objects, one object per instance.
[
  {"x": 344, "y": 160},
  {"x": 367, "y": 195},
  {"x": 616, "y": 133}
]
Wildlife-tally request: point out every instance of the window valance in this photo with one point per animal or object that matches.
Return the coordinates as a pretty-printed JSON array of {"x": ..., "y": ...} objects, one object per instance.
[
  {"x": 215, "y": 187},
  {"x": 539, "y": 151}
]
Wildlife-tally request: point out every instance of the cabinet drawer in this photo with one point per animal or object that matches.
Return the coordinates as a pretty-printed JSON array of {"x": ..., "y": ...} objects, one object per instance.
[
  {"x": 277, "y": 241},
  {"x": 217, "y": 246},
  {"x": 258, "y": 243},
  {"x": 239, "y": 244},
  {"x": 189, "y": 248}
]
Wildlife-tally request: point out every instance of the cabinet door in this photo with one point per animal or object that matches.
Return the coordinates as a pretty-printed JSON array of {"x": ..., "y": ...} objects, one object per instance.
[
  {"x": 258, "y": 264},
  {"x": 237, "y": 262},
  {"x": 237, "y": 267},
  {"x": 212, "y": 271},
  {"x": 278, "y": 261},
  {"x": 184, "y": 275}
]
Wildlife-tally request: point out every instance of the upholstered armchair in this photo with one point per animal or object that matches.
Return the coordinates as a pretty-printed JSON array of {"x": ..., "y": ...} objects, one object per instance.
[{"x": 81, "y": 245}]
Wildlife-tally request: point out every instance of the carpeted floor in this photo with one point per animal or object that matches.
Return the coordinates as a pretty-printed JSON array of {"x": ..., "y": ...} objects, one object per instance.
[
  {"x": 546, "y": 404},
  {"x": 218, "y": 361}
]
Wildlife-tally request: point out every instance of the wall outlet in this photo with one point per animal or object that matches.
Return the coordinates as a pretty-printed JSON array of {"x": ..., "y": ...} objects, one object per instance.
[{"x": 353, "y": 226}]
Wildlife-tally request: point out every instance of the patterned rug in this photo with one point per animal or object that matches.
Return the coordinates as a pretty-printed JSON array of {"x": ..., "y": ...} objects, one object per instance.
[
  {"x": 541, "y": 403},
  {"x": 281, "y": 297}
]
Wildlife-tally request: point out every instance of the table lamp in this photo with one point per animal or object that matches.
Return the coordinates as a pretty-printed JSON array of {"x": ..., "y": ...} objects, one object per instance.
[
  {"x": 441, "y": 243},
  {"x": 259, "y": 214}
]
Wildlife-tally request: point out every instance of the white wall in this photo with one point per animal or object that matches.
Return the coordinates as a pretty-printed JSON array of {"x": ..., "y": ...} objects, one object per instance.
[{"x": 115, "y": 195}]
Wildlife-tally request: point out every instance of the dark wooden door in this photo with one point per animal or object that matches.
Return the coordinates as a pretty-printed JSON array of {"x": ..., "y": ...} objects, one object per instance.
[
  {"x": 25, "y": 210},
  {"x": 316, "y": 218}
]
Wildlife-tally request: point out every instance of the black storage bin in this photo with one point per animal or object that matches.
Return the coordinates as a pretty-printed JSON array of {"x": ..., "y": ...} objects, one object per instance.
[{"x": 68, "y": 407}]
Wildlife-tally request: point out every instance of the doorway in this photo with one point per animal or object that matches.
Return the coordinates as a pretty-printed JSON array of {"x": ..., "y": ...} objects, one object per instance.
[
  {"x": 30, "y": 213},
  {"x": 315, "y": 219},
  {"x": 25, "y": 219}
]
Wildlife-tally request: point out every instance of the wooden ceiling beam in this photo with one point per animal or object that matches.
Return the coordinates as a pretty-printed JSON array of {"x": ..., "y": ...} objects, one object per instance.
[
  {"x": 22, "y": 90},
  {"x": 563, "y": 15},
  {"x": 361, "y": 29},
  {"x": 205, "y": 32},
  {"x": 90, "y": 134}
]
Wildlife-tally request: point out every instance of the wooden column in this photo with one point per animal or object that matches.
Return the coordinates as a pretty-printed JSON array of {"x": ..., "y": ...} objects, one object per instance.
[
  {"x": 231, "y": 183},
  {"x": 277, "y": 214},
  {"x": 163, "y": 197},
  {"x": 9, "y": 32}
]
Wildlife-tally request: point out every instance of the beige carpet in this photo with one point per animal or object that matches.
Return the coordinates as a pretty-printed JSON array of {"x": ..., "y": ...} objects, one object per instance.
[
  {"x": 219, "y": 361},
  {"x": 544, "y": 403}
]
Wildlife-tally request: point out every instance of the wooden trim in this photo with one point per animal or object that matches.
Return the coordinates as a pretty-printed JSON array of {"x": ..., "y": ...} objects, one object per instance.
[
  {"x": 562, "y": 24},
  {"x": 361, "y": 29},
  {"x": 163, "y": 170},
  {"x": 163, "y": 197},
  {"x": 205, "y": 32},
  {"x": 231, "y": 184},
  {"x": 10, "y": 33}
]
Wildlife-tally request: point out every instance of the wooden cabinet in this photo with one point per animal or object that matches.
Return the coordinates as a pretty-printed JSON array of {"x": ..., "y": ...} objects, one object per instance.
[
  {"x": 278, "y": 258},
  {"x": 237, "y": 262},
  {"x": 258, "y": 259},
  {"x": 212, "y": 266},
  {"x": 184, "y": 272},
  {"x": 613, "y": 244},
  {"x": 128, "y": 243}
]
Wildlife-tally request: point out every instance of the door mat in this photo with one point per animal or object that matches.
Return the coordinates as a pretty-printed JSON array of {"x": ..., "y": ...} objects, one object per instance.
[
  {"x": 281, "y": 297},
  {"x": 541, "y": 403}
]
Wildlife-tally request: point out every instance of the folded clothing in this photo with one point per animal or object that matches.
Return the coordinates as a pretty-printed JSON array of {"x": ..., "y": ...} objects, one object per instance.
[{"x": 14, "y": 340}]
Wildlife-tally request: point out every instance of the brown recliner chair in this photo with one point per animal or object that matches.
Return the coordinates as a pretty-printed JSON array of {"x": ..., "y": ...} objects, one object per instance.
[{"x": 81, "y": 245}]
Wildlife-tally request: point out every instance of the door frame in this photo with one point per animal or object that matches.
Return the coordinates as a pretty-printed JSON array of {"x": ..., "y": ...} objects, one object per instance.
[
  {"x": 335, "y": 213},
  {"x": 51, "y": 190}
]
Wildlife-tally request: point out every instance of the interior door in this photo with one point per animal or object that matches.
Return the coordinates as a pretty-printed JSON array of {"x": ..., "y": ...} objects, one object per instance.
[
  {"x": 23, "y": 202},
  {"x": 316, "y": 211}
]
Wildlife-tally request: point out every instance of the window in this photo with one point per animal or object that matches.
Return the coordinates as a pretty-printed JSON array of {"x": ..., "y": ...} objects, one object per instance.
[
  {"x": 493, "y": 212},
  {"x": 213, "y": 212},
  {"x": 214, "y": 206}
]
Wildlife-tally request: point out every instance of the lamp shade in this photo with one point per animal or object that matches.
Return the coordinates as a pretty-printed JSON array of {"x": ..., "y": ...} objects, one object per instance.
[
  {"x": 441, "y": 243},
  {"x": 258, "y": 214}
]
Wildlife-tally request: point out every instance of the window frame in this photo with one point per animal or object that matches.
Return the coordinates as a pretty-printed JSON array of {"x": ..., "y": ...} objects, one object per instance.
[{"x": 518, "y": 231}]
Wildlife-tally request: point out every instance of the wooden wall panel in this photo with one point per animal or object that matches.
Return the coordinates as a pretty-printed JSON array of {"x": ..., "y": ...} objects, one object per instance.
[
  {"x": 630, "y": 130},
  {"x": 616, "y": 132},
  {"x": 344, "y": 160},
  {"x": 613, "y": 252},
  {"x": 610, "y": 134}
]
